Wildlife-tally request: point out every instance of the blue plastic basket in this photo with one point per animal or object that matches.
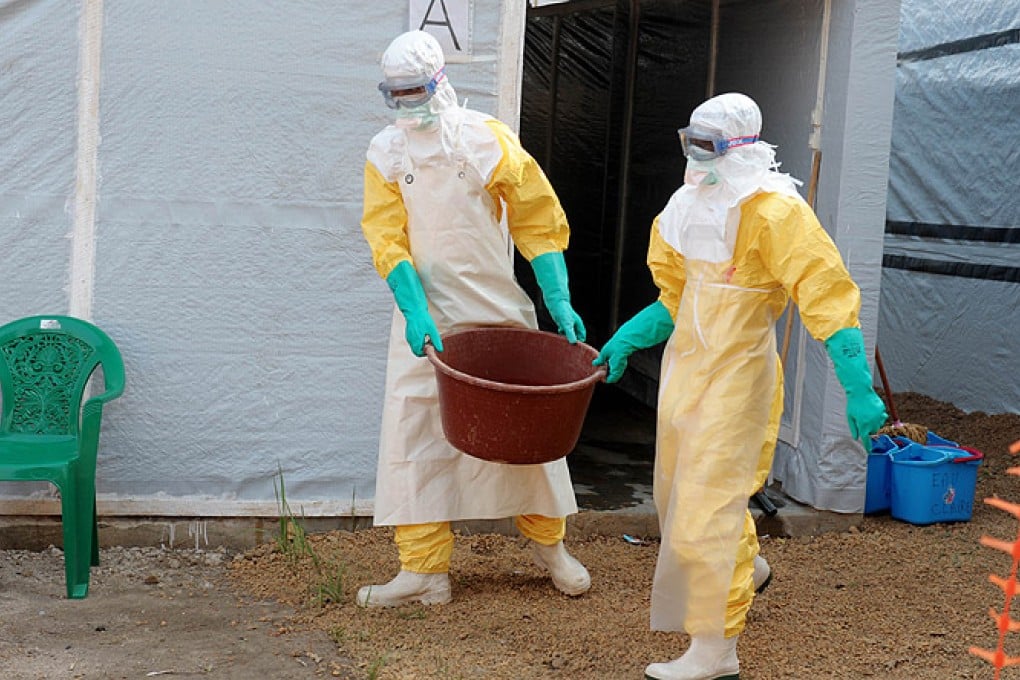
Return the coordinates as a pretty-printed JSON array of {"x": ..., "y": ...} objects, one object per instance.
[
  {"x": 876, "y": 486},
  {"x": 877, "y": 490},
  {"x": 930, "y": 484}
]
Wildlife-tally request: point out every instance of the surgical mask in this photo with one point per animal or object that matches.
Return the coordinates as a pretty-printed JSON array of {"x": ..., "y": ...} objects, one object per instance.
[
  {"x": 701, "y": 172},
  {"x": 416, "y": 117}
]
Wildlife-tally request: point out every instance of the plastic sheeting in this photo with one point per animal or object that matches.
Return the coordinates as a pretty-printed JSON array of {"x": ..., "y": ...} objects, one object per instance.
[
  {"x": 229, "y": 264},
  {"x": 38, "y": 102},
  {"x": 820, "y": 465},
  {"x": 951, "y": 278},
  {"x": 605, "y": 88}
]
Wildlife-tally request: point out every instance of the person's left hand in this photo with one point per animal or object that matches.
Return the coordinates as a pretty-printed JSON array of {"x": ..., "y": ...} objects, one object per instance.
[
  {"x": 865, "y": 411},
  {"x": 567, "y": 320},
  {"x": 865, "y": 414}
]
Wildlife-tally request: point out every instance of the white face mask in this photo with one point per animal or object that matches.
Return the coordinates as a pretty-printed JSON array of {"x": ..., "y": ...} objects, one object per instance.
[
  {"x": 701, "y": 172},
  {"x": 416, "y": 117}
]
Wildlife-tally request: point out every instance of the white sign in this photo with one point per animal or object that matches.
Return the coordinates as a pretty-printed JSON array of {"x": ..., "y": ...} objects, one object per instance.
[{"x": 449, "y": 22}]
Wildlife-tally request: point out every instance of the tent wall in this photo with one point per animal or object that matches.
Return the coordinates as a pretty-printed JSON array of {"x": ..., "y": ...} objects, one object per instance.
[
  {"x": 38, "y": 102},
  {"x": 225, "y": 256},
  {"x": 776, "y": 58},
  {"x": 951, "y": 275}
]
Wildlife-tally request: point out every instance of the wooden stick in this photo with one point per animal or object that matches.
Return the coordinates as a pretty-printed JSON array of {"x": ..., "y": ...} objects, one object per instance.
[
  {"x": 812, "y": 191},
  {"x": 885, "y": 386}
]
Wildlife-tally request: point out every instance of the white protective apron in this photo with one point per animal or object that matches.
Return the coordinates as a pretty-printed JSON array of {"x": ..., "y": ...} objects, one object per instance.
[
  {"x": 716, "y": 389},
  {"x": 464, "y": 259}
]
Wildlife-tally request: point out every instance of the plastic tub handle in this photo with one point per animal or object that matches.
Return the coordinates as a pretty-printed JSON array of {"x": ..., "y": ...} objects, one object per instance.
[{"x": 974, "y": 455}]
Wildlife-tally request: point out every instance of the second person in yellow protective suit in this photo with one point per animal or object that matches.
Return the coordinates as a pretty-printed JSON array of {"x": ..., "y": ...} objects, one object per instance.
[
  {"x": 729, "y": 249},
  {"x": 436, "y": 184}
]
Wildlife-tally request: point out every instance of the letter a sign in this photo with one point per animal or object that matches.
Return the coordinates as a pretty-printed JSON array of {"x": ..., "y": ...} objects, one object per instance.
[{"x": 449, "y": 22}]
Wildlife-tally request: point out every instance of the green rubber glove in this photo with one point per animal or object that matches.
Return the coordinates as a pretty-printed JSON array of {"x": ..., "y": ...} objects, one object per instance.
[
  {"x": 865, "y": 412},
  {"x": 551, "y": 273},
  {"x": 411, "y": 301},
  {"x": 647, "y": 328}
]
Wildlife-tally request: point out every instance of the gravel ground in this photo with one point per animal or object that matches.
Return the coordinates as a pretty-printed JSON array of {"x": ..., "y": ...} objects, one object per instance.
[
  {"x": 884, "y": 600},
  {"x": 150, "y": 613}
]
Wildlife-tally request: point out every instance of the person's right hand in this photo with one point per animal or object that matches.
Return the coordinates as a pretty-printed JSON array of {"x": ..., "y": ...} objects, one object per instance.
[
  {"x": 615, "y": 353},
  {"x": 647, "y": 328},
  {"x": 411, "y": 300},
  {"x": 421, "y": 327}
]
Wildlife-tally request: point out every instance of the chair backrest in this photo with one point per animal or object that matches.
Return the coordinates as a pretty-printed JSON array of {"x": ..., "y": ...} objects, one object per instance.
[{"x": 45, "y": 364}]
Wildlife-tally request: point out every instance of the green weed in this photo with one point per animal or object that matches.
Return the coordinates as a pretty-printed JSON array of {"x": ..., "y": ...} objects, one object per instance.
[
  {"x": 412, "y": 614},
  {"x": 292, "y": 541},
  {"x": 376, "y": 666},
  {"x": 331, "y": 589}
]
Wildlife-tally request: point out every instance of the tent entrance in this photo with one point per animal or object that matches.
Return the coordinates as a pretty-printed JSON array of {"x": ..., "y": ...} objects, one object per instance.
[{"x": 606, "y": 84}]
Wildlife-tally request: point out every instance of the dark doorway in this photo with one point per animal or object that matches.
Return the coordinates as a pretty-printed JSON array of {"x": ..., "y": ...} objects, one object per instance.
[{"x": 606, "y": 85}]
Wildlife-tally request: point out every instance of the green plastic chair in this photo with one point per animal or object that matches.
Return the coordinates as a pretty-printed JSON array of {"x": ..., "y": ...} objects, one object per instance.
[{"x": 46, "y": 434}]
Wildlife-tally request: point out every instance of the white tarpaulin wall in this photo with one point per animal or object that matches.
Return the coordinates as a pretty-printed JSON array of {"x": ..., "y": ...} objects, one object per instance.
[
  {"x": 188, "y": 175},
  {"x": 950, "y": 314},
  {"x": 823, "y": 75}
]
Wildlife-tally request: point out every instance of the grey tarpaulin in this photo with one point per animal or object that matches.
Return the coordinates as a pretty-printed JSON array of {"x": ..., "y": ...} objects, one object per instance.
[{"x": 950, "y": 313}]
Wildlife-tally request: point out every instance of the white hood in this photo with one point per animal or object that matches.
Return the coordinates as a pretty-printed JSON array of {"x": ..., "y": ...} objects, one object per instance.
[{"x": 701, "y": 219}]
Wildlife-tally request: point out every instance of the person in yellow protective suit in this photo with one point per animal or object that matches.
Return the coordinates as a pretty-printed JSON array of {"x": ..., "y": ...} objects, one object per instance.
[
  {"x": 436, "y": 183},
  {"x": 727, "y": 251}
]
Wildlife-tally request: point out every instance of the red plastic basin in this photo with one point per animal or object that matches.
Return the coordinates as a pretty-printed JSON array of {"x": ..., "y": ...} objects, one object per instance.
[{"x": 513, "y": 395}]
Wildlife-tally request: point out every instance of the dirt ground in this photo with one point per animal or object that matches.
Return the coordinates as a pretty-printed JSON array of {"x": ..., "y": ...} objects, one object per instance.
[{"x": 884, "y": 600}]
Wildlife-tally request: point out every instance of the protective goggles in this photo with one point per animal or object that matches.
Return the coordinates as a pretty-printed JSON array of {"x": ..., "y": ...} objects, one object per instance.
[
  {"x": 410, "y": 92},
  {"x": 701, "y": 146}
]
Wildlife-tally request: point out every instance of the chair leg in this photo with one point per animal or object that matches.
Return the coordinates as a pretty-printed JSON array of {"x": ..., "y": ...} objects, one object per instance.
[
  {"x": 95, "y": 535},
  {"x": 77, "y": 519}
]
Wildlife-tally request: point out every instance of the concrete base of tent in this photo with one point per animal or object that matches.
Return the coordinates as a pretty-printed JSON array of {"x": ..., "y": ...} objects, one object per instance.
[{"x": 241, "y": 533}]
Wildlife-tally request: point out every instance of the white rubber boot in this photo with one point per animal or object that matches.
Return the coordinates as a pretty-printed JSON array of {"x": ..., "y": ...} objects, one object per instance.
[
  {"x": 568, "y": 575},
  {"x": 405, "y": 588},
  {"x": 762, "y": 576},
  {"x": 708, "y": 658}
]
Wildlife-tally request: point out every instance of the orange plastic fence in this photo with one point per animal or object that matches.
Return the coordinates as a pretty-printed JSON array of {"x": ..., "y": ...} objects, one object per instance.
[{"x": 1009, "y": 586}]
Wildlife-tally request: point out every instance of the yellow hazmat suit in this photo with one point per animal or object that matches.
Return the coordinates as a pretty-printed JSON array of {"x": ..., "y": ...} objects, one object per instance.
[
  {"x": 721, "y": 397},
  {"x": 732, "y": 245}
]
